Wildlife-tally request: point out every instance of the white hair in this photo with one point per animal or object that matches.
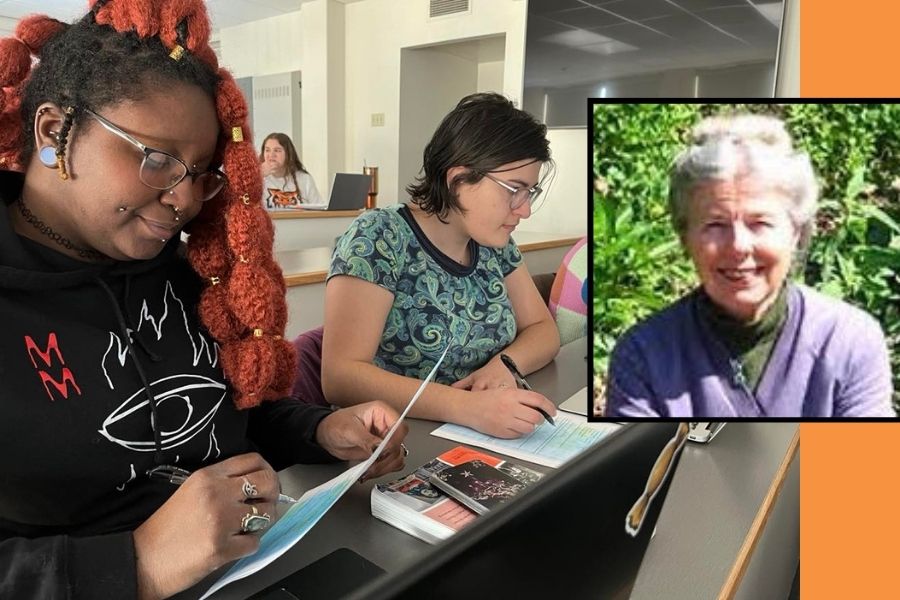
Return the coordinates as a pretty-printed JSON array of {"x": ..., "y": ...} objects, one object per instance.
[{"x": 739, "y": 146}]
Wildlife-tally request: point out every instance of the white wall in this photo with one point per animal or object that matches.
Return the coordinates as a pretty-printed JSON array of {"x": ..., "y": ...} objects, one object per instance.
[
  {"x": 376, "y": 32},
  {"x": 431, "y": 82},
  {"x": 7, "y": 26},
  {"x": 564, "y": 210},
  {"x": 263, "y": 47},
  {"x": 490, "y": 76},
  {"x": 273, "y": 106},
  {"x": 323, "y": 33}
]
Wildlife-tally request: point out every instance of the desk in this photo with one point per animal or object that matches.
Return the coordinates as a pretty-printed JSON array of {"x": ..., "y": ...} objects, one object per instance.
[
  {"x": 305, "y": 269},
  {"x": 310, "y": 228},
  {"x": 713, "y": 509},
  {"x": 350, "y": 523},
  {"x": 740, "y": 489}
]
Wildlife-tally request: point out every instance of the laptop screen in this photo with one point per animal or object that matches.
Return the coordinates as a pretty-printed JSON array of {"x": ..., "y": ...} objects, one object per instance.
[
  {"x": 349, "y": 191},
  {"x": 565, "y": 537}
]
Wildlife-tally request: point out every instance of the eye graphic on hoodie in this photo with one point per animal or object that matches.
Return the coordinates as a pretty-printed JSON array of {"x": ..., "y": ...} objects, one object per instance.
[{"x": 186, "y": 405}]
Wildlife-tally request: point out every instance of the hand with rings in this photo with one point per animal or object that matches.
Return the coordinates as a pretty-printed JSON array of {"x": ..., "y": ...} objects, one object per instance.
[
  {"x": 354, "y": 432},
  {"x": 214, "y": 517},
  {"x": 253, "y": 521}
]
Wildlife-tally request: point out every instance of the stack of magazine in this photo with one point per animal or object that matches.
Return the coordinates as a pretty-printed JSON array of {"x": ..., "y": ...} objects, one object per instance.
[{"x": 477, "y": 482}]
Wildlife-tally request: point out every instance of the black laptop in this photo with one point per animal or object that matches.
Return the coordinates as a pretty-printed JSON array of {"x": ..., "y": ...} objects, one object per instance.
[
  {"x": 581, "y": 532},
  {"x": 348, "y": 192}
]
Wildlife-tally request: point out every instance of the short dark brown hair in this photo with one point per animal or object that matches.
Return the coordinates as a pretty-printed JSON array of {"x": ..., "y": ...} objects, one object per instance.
[{"x": 485, "y": 131}]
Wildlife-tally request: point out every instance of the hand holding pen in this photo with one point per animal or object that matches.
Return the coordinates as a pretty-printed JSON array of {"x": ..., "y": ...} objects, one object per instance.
[
  {"x": 214, "y": 517},
  {"x": 520, "y": 379}
]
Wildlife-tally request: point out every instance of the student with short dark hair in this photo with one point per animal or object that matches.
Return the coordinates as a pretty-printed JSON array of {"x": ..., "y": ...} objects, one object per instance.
[
  {"x": 410, "y": 280},
  {"x": 126, "y": 359}
]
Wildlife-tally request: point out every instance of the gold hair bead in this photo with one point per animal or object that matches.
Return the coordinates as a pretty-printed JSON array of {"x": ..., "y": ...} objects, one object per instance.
[
  {"x": 61, "y": 165},
  {"x": 237, "y": 134},
  {"x": 215, "y": 280},
  {"x": 257, "y": 333},
  {"x": 242, "y": 259},
  {"x": 246, "y": 199},
  {"x": 176, "y": 53}
]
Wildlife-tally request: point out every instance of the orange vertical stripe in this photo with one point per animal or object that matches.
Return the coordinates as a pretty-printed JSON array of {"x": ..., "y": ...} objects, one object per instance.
[
  {"x": 849, "y": 487},
  {"x": 849, "y": 510},
  {"x": 849, "y": 48}
]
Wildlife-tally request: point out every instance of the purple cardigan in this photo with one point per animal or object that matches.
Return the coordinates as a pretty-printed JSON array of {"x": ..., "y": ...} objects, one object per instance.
[{"x": 830, "y": 360}]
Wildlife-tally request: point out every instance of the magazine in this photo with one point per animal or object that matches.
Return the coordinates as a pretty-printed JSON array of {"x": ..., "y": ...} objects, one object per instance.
[
  {"x": 412, "y": 504},
  {"x": 477, "y": 485}
]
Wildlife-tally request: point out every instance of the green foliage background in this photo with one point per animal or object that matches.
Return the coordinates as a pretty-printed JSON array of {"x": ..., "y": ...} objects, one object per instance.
[{"x": 639, "y": 265}]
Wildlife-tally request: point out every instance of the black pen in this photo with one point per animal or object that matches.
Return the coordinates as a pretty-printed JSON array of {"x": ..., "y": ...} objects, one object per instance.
[{"x": 511, "y": 365}]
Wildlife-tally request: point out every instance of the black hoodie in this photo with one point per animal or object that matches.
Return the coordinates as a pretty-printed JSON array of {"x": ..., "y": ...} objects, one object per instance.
[{"x": 77, "y": 403}]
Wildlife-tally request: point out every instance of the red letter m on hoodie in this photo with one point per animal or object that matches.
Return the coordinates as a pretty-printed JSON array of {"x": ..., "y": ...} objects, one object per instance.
[{"x": 61, "y": 386}]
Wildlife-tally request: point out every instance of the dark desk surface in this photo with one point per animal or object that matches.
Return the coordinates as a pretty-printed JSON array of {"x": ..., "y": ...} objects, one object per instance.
[
  {"x": 710, "y": 515},
  {"x": 350, "y": 523},
  {"x": 713, "y": 506}
]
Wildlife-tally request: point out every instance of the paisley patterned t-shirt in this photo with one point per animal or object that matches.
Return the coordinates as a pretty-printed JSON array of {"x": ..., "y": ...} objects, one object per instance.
[{"x": 436, "y": 300}]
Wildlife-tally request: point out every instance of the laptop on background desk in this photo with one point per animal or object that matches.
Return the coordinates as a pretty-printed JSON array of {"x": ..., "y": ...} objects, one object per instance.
[{"x": 348, "y": 192}]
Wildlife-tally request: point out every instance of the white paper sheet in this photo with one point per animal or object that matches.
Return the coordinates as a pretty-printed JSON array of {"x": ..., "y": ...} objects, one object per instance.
[
  {"x": 311, "y": 507},
  {"x": 547, "y": 445}
]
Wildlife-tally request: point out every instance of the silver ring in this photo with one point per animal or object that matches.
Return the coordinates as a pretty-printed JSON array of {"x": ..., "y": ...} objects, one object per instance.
[
  {"x": 253, "y": 521},
  {"x": 405, "y": 449},
  {"x": 249, "y": 489}
]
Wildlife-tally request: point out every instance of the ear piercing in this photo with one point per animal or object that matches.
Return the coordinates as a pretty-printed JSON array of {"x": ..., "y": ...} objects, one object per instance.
[{"x": 47, "y": 155}]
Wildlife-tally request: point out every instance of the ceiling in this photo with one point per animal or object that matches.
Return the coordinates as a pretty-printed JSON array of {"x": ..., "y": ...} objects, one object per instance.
[
  {"x": 223, "y": 13},
  {"x": 573, "y": 42},
  {"x": 569, "y": 42}
]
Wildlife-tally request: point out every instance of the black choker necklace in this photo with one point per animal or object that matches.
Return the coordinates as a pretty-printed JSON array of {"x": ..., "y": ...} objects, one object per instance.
[{"x": 46, "y": 230}]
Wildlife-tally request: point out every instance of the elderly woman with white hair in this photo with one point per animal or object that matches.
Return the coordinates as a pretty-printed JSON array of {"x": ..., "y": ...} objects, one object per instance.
[{"x": 748, "y": 342}]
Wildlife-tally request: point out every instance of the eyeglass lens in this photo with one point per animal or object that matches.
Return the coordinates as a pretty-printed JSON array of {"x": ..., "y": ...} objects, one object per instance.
[{"x": 161, "y": 171}]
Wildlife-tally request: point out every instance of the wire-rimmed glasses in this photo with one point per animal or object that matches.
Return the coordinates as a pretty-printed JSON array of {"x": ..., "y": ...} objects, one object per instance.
[
  {"x": 163, "y": 171},
  {"x": 519, "y": 196}
]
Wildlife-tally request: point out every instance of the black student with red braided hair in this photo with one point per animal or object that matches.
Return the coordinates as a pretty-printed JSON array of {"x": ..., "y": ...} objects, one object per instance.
[{"x": 124, "y": 355}]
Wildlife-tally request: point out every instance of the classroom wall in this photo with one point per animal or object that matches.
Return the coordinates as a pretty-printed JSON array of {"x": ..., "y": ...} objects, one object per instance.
[
  {"x": 274, "y": 97},
  {"x": 564, "y": 210},
  {"x": 352, "y": 70},
  {"x": 431, "y": 81},
  {"x": 7, "y": 26},
  {"x": 377, "y": 31},
  {"x": 263, "y": 47}
]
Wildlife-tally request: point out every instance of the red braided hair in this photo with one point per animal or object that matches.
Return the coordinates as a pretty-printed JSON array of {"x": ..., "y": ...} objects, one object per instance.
[{"x": 242, "y": 304}]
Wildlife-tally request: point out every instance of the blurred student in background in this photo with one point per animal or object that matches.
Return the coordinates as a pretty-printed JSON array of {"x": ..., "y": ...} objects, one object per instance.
[{"x": 286, "y": 182}]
